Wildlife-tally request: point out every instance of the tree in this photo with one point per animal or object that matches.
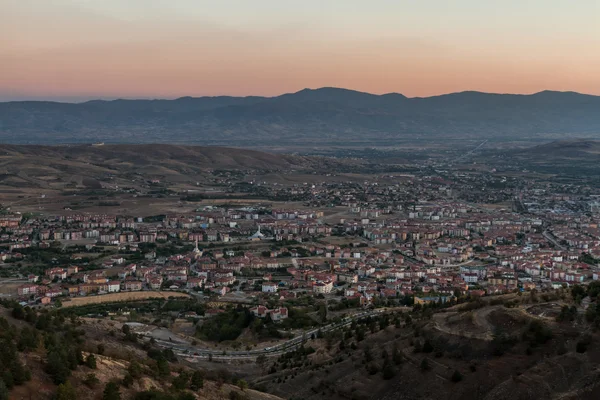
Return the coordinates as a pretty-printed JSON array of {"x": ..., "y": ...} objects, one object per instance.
[
  {"x": 57, "y": 368},
  {"x": 427, "y": 347},
  {"x": 197, "y": 381},
  {"x": 126, "y": 330},
  {"x": 91, "y": 361},
  {"x": 396, "y": 355},
  {"x": 91, "y": 380},
  {"x": 261, "y": 360},
  {"x": 66, "y": 392},
  {"x": 163, "y": 368},
  {"x": 135, "y": 369},
  {"x": 388, "y": 371},
  {"x": 180, "y": 382},
  {"x": 18, "y": 312},
  {"x": 100, "y": 348},
  {"x": 111, "y": 392},
  {"x": 127, "y": 380},
  {"x": 242, "y": 384},
  {"x": 3, "y": 391},
  {"x": 456, "y": 376}
]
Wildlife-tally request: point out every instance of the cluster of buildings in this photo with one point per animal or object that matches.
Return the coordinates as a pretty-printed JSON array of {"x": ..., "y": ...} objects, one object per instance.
[{"x": 415, "y": 237}]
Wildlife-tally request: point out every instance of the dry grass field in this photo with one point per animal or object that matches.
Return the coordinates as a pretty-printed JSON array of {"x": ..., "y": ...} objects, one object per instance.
[{"x": 124, "y": 296}]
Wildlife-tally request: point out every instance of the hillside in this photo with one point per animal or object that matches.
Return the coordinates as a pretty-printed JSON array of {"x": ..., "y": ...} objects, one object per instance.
[
  {"x": 54, "y": 167},
  {"x": 195, "y": 157},
  {"x": 46, "y": 356},
  {"x": 306, "y": 118},
  {"x": 515, "y": 347},
  {"x": 566, "y": 149}
]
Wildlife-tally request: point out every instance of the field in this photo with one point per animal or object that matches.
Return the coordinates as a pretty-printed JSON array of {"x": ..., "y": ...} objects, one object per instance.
[{"x": 116, "y": 297}]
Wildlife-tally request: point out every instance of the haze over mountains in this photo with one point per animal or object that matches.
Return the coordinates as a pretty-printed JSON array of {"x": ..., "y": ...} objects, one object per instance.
[{"x": 323, "y": 116}]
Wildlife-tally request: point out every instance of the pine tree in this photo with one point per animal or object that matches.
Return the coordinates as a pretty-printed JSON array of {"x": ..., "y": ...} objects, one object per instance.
[
  {"x": 3, "y": 391},
  {"x": 66, "y": 392},
  {"x": 111, "y": 392},
  {"x": 197, "y": 381},
  {"x": 91, "y": 361}
]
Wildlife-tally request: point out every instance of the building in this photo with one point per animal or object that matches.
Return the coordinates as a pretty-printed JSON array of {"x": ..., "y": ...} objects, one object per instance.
[
  {"x": 114, "y": 286},
  {"x": 323, "y": 287},
  {"x": 278, "y": 314},
  {"x": 269, "y": 287}
]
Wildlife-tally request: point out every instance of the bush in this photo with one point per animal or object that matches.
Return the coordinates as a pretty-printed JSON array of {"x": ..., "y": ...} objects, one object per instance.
[
  {"x": 111, "y": 392},
  {"x": 91, "y": 380},
  {"x": 456, "y": 376},
  {"x": 581, "y": 347},
  {"x": 66, "y": 392},
  {"x": 372, "y": 368},
  {"x": 388, "y": 371},
  {"x": 427, "y": 347},
  {"x": 537, "y": 333},
  {"x": 91, "y": 361}
]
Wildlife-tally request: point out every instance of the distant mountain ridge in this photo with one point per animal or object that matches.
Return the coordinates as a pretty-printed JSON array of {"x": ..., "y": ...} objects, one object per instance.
[{"x": 316, "y": 116}]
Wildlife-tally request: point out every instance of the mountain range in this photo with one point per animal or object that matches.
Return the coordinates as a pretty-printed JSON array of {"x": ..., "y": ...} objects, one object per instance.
[{"x": 319, "y": 117}]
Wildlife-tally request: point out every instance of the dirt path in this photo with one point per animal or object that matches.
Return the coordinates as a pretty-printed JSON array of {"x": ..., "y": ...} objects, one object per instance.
[{"x": 480, "y": 320}]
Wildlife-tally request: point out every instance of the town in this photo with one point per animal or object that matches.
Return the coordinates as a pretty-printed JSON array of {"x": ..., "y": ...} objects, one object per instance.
[
  {"x": 290, "y": 278},
  {"x": 412, "y": 241}
]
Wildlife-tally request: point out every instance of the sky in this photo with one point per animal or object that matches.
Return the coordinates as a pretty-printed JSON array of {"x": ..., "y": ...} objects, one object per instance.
[{"x": 74, "y": 50}]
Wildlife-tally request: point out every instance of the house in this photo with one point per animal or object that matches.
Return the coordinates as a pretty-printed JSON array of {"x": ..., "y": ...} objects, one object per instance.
[
  {"x": 56, "y": 273},
  {"x": 53, "y": 293},
  {"x": 269, "y": 287},
  {"x": 278, "y": 314},
  {"x": 260, "y": 311},
  {"x": 27, "y": 289},
  {"x": 195, "y": 282},
  {"x": 114, "y": 286},
  {"x": 133, "y": 285},
  {"x": 323, "y": 287}
]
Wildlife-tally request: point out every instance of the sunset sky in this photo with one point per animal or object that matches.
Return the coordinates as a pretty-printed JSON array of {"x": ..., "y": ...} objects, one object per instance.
[{"x": 74, "y": 50}]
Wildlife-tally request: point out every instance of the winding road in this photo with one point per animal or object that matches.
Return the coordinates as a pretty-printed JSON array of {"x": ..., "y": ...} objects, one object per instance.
[{"x": 183, "y": 348}]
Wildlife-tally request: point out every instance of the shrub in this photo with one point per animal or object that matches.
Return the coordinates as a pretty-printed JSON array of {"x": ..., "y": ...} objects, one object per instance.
[{"x": 456, "y": 376}]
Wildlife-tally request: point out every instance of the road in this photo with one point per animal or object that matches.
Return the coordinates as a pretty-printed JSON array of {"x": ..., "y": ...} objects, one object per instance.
[
  {"x": 185, "y": 349},
  {"x": 550, "y": 237}
]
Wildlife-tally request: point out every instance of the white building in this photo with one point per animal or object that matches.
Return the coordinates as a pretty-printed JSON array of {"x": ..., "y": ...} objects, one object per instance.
[
  {"x": 323, "y": 287},
  {"x": 269, "y": 287},
  {"x": 114, "y": 286}
]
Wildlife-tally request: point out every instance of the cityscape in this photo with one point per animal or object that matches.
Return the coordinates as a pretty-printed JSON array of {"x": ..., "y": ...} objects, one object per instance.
[{"x": 280, "y": 200}]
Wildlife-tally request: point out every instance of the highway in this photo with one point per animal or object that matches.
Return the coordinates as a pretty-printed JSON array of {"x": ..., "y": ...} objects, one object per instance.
[{"x": 185, "y": 349}]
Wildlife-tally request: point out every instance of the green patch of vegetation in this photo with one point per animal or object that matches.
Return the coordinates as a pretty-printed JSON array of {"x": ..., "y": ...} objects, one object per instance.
[{"x": 225, "y": 326}]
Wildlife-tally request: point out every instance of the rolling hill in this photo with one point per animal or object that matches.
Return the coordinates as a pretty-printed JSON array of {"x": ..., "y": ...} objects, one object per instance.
[
  {"x": 318, "y": 117},
  {"x": 574, "y": 148}
]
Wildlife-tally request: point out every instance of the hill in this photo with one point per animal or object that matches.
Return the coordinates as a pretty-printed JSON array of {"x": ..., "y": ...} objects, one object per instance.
[
  {"x": 47, "y": 356},
  {"x": 195, "y": 157},
  {"x": 566, "y": 149},
  {"x": 306, "y": 118},
  {"x": 49, "y": 176},
  {"x": 45, "y": 166}
]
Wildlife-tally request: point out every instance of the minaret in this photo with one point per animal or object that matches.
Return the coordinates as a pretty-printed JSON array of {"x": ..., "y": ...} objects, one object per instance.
[{"x": 197, "y": 252}]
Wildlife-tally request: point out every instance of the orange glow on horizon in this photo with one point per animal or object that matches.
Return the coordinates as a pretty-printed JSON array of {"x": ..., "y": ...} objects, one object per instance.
[{"x": 76, "y": 51}]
